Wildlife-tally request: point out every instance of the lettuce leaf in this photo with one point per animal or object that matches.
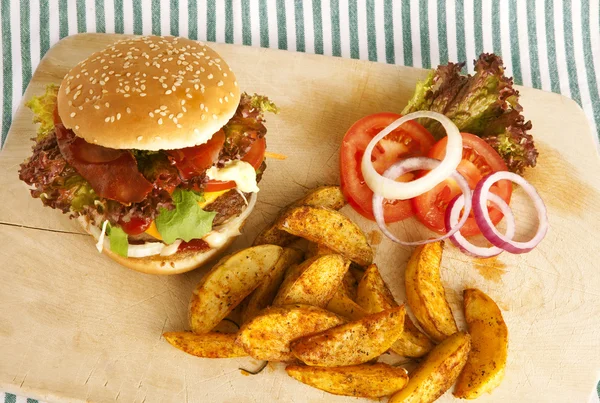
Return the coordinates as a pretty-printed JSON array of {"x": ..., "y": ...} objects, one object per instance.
[
  {"x": 118, "y": 240},
  {"x": 187, "y": 220},
  {"x": 485, "y": 104},
  {"x": 43, "y": 108}
]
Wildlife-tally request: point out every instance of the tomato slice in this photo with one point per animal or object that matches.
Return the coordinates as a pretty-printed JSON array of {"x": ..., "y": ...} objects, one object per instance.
[
  {"x": 136, "y": 225},
  {"x": 479, "y": 160},
  {"x": 409, "y": 140},
  {"x": 254, "y": 157},
  {"x": 192, "y": 161}
]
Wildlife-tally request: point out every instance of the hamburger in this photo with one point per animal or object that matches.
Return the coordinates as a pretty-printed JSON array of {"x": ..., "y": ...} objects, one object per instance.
[{"x": 151, "y": 146}]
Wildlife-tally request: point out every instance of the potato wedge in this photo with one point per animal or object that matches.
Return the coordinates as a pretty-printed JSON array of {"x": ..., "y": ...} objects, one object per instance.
[
  {"x": 373, "y": 296},
  {"x": 206, "y": 345},
  {"x": 425, "y": 294},
  {"x": 329, "y": 228},
  {"x": 228, "y": 283},
  {"x": 485, "y": 366},
  {"x": 344, "y": 306},
  {"x": 313, "y": 282},
  {"x": 267, "y": 337},
  {"x": 314, "y": 249},
  {"x": 375, "y": 380},
  {"x": 324, "y": 196},
  {"x": 263, "y": 296},
  {"x": 353, "y": 343},
  {"x": 437, "y": 372}
]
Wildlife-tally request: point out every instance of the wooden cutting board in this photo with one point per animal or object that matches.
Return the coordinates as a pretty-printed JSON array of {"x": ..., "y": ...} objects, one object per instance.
[{"x": 75, "y": 326}]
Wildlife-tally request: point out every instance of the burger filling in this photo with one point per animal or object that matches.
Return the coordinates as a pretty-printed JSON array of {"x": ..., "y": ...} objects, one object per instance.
[{"x": 136, "y": 197}]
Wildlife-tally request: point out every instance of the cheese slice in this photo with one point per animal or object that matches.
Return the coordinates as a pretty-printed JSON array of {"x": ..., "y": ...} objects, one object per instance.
[{"x": 208, "y": 198}]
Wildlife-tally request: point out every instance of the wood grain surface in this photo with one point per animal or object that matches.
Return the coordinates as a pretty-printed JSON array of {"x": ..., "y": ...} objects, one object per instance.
[{"x": 75, "y": 326}]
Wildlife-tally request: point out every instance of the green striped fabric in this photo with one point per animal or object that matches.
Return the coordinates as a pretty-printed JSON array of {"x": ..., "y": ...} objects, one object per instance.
[{"x": 553, "y": 45}]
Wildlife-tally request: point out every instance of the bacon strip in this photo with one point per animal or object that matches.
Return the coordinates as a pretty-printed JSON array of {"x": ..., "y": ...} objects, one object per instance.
[{"x": 113, "y": 174}]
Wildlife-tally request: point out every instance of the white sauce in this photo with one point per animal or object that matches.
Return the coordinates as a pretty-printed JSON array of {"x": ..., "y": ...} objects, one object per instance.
[{"x": 241, "y": 172}]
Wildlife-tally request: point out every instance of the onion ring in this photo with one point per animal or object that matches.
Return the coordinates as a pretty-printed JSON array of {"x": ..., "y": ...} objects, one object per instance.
[
  {"x": 452, "y": 214},
  {"x": 482, "y": 216},
  {"x": 390, "y": 189},
  {"x": 413, "y": 164}
]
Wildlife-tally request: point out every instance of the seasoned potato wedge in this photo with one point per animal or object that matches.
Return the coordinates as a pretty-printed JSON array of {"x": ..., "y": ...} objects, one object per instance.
[
  {"x": 485, "y": 366},
  {"x": 330, "y": 228},
  {"x": 373, "y": 296},
  {"x": 349, "y": 285},
  {"x": 425, "y": 294},
  {"x": 344, "y": 306},
  {"x": 228, "y": 283},
  {"x": 437, "y": 372},
  {"x": 353, "y": 343},
  {"x": 313, "y": 282},
  {"x": 206, "y": 345},
  {"x": 324, "y": 196},
  {"x": 263, "y": 296},
  {"x": 375, "y": 380},
  {"x": 267, "y": 337},
  {"x": 314, "y": 249}
]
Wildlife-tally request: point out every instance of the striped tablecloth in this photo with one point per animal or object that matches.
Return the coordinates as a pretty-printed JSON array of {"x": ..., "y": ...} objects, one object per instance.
[{"x": 546, "y": 44}]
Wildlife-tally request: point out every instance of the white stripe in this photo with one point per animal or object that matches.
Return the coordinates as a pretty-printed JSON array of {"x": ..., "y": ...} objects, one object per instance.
[
  {"x": 290, "y": 25},
  {"x": 380, "y": 31},
  {"x": 363, "y": 38},
  {"x": 128, "y": 17},
  {"x": 202, "y": 20},
  {"x": 469, "y": 12},
  {"x": 273, "y": 33},
  {"x": 146, "y": 19},
  {"x": 20, "y": 399},
  {"x": 184, "y": 29},
  {"x": 540, "y": 24},
  {"x": 486, "y": 25},
  {"x": 237, "y": 23},
  {"x": 309, "y": 27},
  {"x": 581, "y": 72},
  {"x": 71, "y": 16},
  {"x": 451, "y": 31},
  {"x": 344, "y": 28},
  {"x": 17, "y": 66},
  {"x": 34, "y": 32},
  {"x": 90, "y": 16},
  {"x": 524, "y": 43},
  {"x": 255, "y": 23},
  {"x": 327, "y": 38},
  {"x": 505, "y": 28},
  {"x": 398, "y": 42},
  {"x": 561, "y": 56},
  {"x": 165, "y": 17},
  {"x": 220, "y": 21},
  {"x": 109, "y": 16},
  {"x": 595, "y": 39},
  {"x": 434, "y": 46},
  {"x": 415, "y": 33}
]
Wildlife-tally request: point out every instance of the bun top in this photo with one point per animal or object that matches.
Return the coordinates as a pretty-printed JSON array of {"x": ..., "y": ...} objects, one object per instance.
[{"x": 149, "y": 93}]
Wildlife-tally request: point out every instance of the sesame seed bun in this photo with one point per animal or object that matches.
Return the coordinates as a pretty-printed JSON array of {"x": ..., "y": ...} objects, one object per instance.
[{"x": 149, "y": 93}]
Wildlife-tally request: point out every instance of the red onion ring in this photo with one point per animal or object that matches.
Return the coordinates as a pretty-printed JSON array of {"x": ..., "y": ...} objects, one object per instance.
[
  {"x": 482, "y": 216},
  {"x": 451, "y": 218},
  {"x": 410, "y": 165}
]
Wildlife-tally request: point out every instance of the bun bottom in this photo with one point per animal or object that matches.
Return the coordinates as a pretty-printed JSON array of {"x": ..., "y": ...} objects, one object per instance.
[{"x": 179, "y": 262}]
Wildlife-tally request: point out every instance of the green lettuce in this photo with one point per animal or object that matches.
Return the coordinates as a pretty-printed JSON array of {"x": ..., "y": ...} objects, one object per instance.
[
  {"x": 118, "y": 240},
  {"x": 43, "y": 108},
  {"x": 485, "y": 104},
  {"x": 187, "y": 220},
  {"x": 263, "y": 103}
]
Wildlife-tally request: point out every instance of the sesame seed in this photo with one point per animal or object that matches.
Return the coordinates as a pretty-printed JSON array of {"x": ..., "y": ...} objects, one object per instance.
[
  {"x": 77, "y": 128},
  {"x": 139, "y": 138},
  {"x": 231, "y": 93},
  {"x": 81, "y": 106},
  {"x": 201, "y": 106},
  {"x": 221, "y": 100},
  {"x": 160, "y": 121},
  {"x": 107, "y": 119},
  {"x": 210, "y": 76},
  {"x": 91, "y": 91},
  {"x": 196, "y": 131},
  {"x": 235, "y": 83},
  {"x": 126, "y": 95},
  {"x": 128, "y": 110},
  {"x": 203, "y": 117},
  {"x": 73, "y": 114},
  {"x": 151, "y": 114},
  {"x": 226, "y": 99},
  {"x": 142, "y": 94},
  {"x": 214, "y": 116},
  {"x": 171, "y": 116},
  {"x": 112, "y": 119},
  {"x": 107, "y": 105},
  {"x": 179, "y": 115},
  {"x": 118, "y": 116},
  {"x": 220, "y": 83},
  {"x": 67, "y": 90},
  {"x": 97, "y": 106},
  {"x": 183, "y": 108},
  {"x": 163, "y": 107},
  {"x": 167, "y": 92},
  {"x": 70, "y": 103},
  {"x": 196, "y": 87},
  {"x": 183, "y": 102},
  {"x": 224, "y": 74},
  {"x": 188, "y": 95},
  {"x": 179, "y": 126},
  {"x": 175, "y": 120}
]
